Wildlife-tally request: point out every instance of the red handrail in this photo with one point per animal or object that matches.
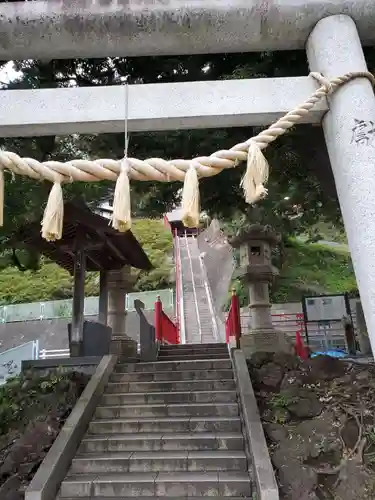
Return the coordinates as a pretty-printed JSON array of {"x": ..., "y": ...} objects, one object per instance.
[
  {"x": 166, "y": 331},
  {"x": 177, "y": 274}
]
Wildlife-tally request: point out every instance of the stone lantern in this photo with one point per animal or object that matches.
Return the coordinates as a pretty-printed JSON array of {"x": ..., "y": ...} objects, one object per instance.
[{"x": 255, "y": 243}]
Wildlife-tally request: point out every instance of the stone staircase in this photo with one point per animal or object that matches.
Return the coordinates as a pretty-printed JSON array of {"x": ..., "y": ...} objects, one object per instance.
[
  {"x": 170, "y": 428},
  {"x": 199, "y": 325}
]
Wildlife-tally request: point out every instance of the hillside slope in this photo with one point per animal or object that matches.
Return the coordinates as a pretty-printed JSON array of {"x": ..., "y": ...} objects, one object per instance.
[
  {"x": 309, "y": 268},
  {"x": 314, "y": 268}
]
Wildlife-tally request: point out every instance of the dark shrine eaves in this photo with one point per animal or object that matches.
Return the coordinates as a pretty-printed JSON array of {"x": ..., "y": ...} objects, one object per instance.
[{"x": 106, "y": 249}]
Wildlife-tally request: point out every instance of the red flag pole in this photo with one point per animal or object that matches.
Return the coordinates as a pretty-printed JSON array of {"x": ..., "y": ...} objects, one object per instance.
[
  {"x": 228, "y": 325},
  {"x": 236, "y": 319},
  {"x": 233, "y": 323},
  {"x": 300, "y": 347},
  {"x": 233, "y": 308}
]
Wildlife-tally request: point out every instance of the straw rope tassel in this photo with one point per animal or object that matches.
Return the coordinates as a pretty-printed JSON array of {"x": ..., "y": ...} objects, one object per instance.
[
  {"x": 190, "y": 198},
  {"x": 121, "y": 217},
  {"x": 52, "y": 223},
  {"x": 256, "y": 175}
]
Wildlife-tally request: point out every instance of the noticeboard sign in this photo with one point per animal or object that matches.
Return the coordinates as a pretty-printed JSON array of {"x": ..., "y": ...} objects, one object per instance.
[
  {"x": 11, "y": 360},
  {"x": 325, "y": 308}
]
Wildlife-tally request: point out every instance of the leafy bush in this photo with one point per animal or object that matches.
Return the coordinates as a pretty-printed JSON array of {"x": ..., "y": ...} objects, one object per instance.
[{"x": 29, "y": 395}]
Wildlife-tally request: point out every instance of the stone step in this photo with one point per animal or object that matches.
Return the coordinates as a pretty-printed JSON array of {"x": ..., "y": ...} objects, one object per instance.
[
  {"x": 196, "y": 345},
  {"x": 163, "y": 366},
  {"x": 181, "y": 347},
  {"x": 159, "y": 461},
  {"x": 101, "y": 443},
  {"x": 165, "y": 425},
  {"x": 129, "y": 398},
  {"x": 170, "y": 410},
  {"x": 149, "y": 498},
  {"x": 163, "y": 484},
  {"x": 172, "y": 376},
  {"x": 196, "y": 336},
  {"x": 192, "y": 357},
  {"x": 176, "y": 386}
]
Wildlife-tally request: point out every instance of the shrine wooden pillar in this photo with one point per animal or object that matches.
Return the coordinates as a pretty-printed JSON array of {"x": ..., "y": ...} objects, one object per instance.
[
  {"x": 103, "y": 298},
  {"x": 76, "y": 340}
]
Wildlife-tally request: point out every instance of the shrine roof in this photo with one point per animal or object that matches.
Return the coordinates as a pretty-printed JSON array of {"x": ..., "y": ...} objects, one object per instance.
[{"x": 105, "y": 248}]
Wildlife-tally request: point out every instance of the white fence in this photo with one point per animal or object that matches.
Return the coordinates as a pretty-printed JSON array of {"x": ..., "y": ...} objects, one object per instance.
[{"x": 53, "y": 353}]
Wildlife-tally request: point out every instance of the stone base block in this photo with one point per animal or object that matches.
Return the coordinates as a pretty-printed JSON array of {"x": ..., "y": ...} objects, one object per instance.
[
  {"x": 266, "y": 341},
  {"x": 76, "y": 349},
  {"x": 124, "y": 347}
]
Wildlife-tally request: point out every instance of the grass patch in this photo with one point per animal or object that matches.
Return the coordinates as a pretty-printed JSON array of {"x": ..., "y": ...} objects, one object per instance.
[{"x": 316, "y": 269}]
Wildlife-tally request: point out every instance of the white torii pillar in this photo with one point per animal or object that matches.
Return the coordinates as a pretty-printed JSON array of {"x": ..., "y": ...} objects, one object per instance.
[{"x": 333, "y": 49}]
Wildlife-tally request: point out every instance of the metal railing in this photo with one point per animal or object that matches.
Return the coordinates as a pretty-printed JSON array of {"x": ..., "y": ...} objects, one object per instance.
[
  {"x": 179, "y": 290},
  {"x": 319, "y": 337},
  {"x": 209, "y": 300},
  {"x": 194, "y": 288}
]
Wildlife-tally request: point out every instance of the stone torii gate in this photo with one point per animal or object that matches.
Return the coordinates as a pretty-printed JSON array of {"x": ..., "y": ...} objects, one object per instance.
[{"x": 332, "y": 32}]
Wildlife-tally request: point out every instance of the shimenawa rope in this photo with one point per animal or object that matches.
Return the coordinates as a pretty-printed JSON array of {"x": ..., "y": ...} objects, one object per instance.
[{"x": 157, "y": 169}]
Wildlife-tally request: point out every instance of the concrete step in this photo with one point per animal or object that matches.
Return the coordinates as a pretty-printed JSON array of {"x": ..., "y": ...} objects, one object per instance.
[
  {"x": 192, "y": 349},
  {"x": 170, "y": 410},
  {"x": 129, "y": 398},
  {"x": 172, "y": 376},
  {"x": 163, "y": 484},
  {"x": 159, "y": 461},
  {"x": 101, "y": 443},
  {"x": 176, "y": 386},
  {"x": 181, "y": 347},
  {"x": 163, "y": 366},
  {"x": 165, "y": 425},
  {"x": 183, "y": 357}
]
